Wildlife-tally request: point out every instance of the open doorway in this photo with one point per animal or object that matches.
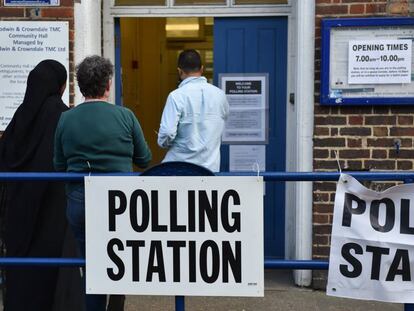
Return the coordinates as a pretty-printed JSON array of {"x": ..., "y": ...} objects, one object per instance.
[{"x": 149, "y": 52}]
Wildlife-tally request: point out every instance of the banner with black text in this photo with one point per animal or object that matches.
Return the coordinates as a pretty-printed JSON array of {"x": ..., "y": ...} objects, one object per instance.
[
  {"x": 174, "y": 235},
  {"x": 372, "y": 243}
]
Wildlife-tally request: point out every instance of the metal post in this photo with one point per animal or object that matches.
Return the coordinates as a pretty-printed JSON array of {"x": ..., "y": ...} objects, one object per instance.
[
  {"x": 408, "y": 307},
  {"x": 179, "y": 303}
]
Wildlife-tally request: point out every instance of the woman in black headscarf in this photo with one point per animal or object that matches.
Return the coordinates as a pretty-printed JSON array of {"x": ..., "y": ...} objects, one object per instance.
[{"x": 35, "y": 210}]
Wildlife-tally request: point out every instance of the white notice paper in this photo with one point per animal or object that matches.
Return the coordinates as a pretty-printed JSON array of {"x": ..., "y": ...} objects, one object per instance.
[
  {"x": 246, "y": 158},
  {"x": 379, "y": 62}
]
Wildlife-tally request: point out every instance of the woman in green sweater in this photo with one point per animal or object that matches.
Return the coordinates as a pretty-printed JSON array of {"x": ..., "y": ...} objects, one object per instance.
[{"x": 97, "y": 137}]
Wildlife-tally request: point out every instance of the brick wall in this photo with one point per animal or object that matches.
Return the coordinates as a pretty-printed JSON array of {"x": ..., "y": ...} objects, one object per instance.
[
  {"x": 64, "y": 12},
  {"x": 363, "y": 137}
]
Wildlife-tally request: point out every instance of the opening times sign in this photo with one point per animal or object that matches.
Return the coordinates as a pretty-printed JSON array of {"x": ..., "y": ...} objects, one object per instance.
[
  {"x": 372, "y": 247},
  {"x": 198, "y": 236},
  {"x": 380, "y": 62},
  {"x": 22, "y": 46}
]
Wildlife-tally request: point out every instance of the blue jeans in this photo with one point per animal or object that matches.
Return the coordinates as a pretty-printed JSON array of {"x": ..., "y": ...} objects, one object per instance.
[{"x": 76, "y": 217}]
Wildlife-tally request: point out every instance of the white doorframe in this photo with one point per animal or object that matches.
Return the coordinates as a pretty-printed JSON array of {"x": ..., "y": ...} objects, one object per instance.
[{"x": 301, "y": 37}]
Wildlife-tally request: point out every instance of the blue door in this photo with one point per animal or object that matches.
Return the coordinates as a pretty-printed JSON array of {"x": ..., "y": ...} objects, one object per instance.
[{"x": 259, "y": 45}]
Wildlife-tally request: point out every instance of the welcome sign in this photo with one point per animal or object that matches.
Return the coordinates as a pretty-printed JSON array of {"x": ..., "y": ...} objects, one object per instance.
[
  {"x": 174, "y": 235},
  {"x": 372, "y": 244}
]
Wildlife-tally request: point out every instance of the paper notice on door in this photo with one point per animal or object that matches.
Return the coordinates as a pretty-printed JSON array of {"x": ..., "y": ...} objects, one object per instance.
[{"x": 247, "y": 158}]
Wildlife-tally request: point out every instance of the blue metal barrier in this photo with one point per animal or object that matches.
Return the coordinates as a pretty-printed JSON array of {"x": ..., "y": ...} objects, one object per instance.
[{"x": 268, "y": 176}]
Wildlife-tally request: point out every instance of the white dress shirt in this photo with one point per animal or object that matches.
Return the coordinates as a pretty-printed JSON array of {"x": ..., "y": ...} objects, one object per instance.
[{"x": 192, "y": 123}]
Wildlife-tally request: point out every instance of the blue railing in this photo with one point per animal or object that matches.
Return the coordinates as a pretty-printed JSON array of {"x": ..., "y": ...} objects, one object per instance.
[{"x": 268, "y": 176}]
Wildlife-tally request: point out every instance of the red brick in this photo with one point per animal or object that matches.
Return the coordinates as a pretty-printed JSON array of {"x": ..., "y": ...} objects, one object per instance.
[
  {"x": 321, "y": 197},
  {"x": 324, "y": 185},
  {"x": 321, "y": 219},
  {"x": 380, "y": 120},
  {"x": 354, "y": 153},
  {"x": 401, "y": 131},
  {"x": 380, "y": 142},
  {"x": 329, "y": 142},
  {"x": 356, "y": 9},
  {"x": 407, "y": 142},
  {"x": 329, "y": 120},
  {"x": 354, "y": 143},
  {"x": 379, "y": 154},
  {"x": 402, "y": 154},
  {"x": 321, "y": 131},
  {"x": 68, "y": 3},
  {"x": 11, "y": 12},
  {"x": 331, "y": 9},
  {"x": 322, "y": 229},
  {"x": 320, "y": 153},
  {"x": 380, "y": 131},
  {"x": 323, "y": 207},
  {"x": 356, "y": 110},
  {"x": 57, "y": 12},
  {"x": 404, "y": 165},
  {"x": 356, "y": 131},
  {"x": 334, "y": 131},
  {"x": 322, "y": 1},
  {"x": 380, "y": 164},
  {"x": 354, "y": 165},
  {"x": 356, "y": 120},
  {"x": 319, "y": 239},
  {"x": 405, "y": 120},
  {"x": 327, "y": 165}
]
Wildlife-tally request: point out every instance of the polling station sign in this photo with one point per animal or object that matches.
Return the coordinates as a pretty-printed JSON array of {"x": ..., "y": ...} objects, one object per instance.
[
  {"x": 372, "y": 247},
  {"x": 174, "y": 235}
]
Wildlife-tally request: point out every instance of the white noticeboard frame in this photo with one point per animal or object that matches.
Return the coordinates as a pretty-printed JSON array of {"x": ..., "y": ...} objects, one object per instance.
[
  {"x": 199, "y": 236},
  {"x": 383, "y": 77},
  {"x": 31, "y": 2},
  {"x": 248, "y": 97},
  {"x": 23, "y": 44}
]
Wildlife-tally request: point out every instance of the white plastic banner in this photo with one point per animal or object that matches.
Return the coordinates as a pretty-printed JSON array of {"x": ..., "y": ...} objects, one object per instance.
[
  {"x": 174, "y": 236},
  {"x": 372, "y": 245}
]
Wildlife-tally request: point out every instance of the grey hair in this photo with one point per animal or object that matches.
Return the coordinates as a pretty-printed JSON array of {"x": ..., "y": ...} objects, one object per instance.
[{"x": 93, "y": 75}]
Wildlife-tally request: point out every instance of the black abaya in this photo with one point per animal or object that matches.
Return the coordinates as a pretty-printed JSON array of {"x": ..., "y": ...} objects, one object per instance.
[{"x": 35, "y": 223}]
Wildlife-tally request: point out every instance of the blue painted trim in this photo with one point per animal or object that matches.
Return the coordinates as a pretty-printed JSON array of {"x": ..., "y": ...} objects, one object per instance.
[
  {"x": 267, "y": 176},
  {"x": 118, "y": 73},
  {"x": 179, "y": 303},
  {"x": 327, "y": 25}
]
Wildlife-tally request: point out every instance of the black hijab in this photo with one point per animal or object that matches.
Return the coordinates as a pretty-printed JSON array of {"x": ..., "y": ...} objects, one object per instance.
[{"x": 30, "y": 121}]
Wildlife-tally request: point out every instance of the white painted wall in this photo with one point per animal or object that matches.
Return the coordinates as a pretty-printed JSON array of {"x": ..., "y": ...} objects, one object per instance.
[
  {"x": 304, "y": 95},
  {"x": 87, "y": 33}
]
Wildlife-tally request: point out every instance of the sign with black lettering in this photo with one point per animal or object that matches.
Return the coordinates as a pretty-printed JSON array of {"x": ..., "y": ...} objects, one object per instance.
[
  {"x": 379, "y": 61},
  {"x": 372, "y": 244},
  {"x": 174, "y": 235}
]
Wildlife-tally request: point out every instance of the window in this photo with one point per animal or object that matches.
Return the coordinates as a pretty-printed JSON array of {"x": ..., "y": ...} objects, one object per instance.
[
  {"x": 200, "y": 2},
  {"x": 260, "y": 1},
  {"x": 140, "y": 2}
]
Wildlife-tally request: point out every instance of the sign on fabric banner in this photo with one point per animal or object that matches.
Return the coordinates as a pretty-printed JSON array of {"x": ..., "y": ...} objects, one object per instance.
[
  {"x": 372, "y": 244},
  {"x": 174, "y": 235}
]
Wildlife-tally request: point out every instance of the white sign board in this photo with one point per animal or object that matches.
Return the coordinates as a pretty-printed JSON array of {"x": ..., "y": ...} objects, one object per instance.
[
  {"x": 174, "y": 236},
  {"x": 247, "y": 95},
  {"x": 372, "y": 244},
  {"x": 379, "y": 62},
  {"x": 22, "y": 46},
  {"x": 247, "y": 158}
]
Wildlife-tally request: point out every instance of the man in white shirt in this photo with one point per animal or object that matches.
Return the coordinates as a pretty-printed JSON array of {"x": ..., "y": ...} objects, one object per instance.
[{"x": 193, "y": 118}]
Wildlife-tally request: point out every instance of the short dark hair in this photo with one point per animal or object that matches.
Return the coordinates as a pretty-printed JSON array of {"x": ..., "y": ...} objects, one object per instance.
[
  {"x": 189, "y": 61},
  {"x": 93, "y": 75}
]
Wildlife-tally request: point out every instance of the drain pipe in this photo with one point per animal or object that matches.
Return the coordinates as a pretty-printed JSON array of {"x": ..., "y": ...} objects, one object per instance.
[{"x": 304, "y": 95}]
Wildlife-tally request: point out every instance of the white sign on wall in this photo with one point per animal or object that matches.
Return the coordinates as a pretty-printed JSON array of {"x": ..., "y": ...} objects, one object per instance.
[
  {"x": 22, "y": 46},
  {"x": 174, "y": 235},
  {"x": 372, "y": 247},
  {"x": 379, "y": 61},
  {"x": 247, "y": 95}
]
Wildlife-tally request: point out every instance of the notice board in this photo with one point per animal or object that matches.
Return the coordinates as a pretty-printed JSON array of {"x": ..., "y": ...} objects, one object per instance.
[{"x": 367, "y": 61}]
